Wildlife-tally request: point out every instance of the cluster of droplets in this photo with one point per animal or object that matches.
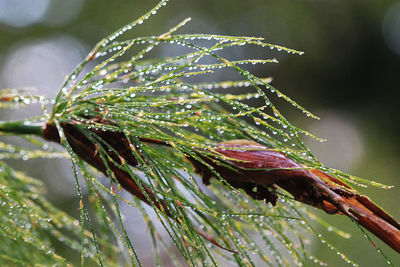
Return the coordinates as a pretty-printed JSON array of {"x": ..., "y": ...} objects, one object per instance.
[
  {"x": 29, "y": 100},
  {"x": 27, "y": 220},
  {"x": 225, "y": 65},
  {"x": 255, "y": 215},
  {"x": 308, "y": 226},
  {"x": 136, "y": 22},
  {"x": 218, "y": 37},
  {"x": 280, "y": 48}
]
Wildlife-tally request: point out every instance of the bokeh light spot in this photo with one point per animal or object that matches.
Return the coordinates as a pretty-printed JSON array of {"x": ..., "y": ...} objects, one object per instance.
[
  {"x": 41, "y": 64},
  {"x": 22, "y": 13},
  {"x": 344, "y": 147},
  {"x": 391, "y": 28}
]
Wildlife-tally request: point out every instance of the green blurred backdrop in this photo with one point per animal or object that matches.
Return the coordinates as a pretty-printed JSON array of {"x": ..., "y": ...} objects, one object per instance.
[{"x": 349, "y": 76}]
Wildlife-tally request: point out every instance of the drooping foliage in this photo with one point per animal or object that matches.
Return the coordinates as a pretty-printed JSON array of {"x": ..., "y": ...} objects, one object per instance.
[{"x": 125, "y": 87}]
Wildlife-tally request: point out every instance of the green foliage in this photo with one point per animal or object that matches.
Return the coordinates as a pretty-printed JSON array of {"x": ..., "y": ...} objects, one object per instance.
[
  {"x": 28, "y": 222},
  {"x": 166, "y": 98},
  {"x": 31, "y": 227}
]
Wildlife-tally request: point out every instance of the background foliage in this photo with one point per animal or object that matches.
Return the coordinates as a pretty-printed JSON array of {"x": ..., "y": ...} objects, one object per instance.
[{"x": 346, "y": 76}]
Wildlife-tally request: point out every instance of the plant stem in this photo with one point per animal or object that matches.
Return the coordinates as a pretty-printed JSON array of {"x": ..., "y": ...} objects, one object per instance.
[{"x": 22, "y": 127}]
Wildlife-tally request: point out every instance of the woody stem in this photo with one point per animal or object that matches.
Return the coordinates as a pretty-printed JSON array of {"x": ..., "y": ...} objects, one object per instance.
[{"x": 22, "y": 127}]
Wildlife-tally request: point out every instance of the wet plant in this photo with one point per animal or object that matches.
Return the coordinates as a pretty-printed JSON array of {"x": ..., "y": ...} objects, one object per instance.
[{"x": 157, "y": 130}]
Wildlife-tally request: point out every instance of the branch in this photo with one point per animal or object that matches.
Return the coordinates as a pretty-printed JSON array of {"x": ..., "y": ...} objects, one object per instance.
[
  {"x": 22, "y": 127},
  {"x": 252, "y": 167}
]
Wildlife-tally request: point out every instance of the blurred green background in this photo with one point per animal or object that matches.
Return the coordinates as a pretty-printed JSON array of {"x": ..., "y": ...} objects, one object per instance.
[{"x": 348, "y": 76}]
